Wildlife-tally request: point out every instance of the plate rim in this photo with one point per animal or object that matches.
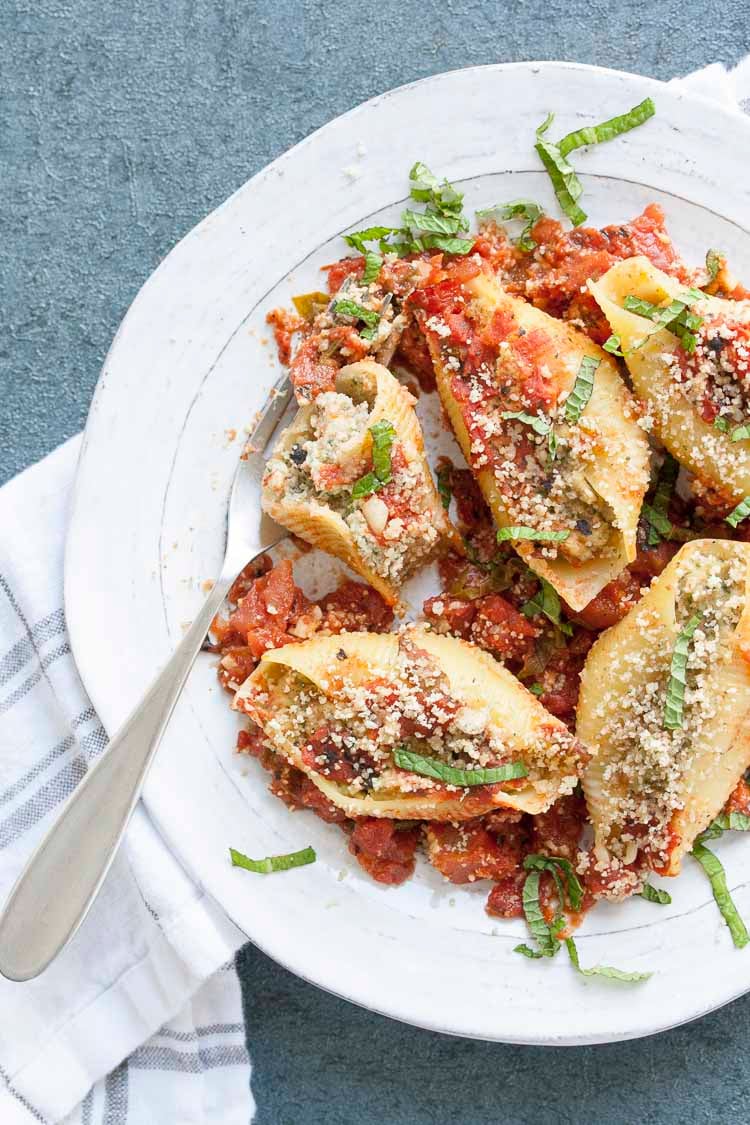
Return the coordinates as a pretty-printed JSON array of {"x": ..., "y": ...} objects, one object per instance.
[{"x": 78, "y": 644}]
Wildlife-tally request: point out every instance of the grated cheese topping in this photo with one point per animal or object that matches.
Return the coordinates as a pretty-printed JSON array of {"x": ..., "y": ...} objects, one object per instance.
[{"x": 649, "y": 773}]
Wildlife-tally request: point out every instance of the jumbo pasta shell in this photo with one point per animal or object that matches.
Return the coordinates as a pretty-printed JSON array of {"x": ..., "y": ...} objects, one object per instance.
[
  {"x": 479, "y": 686},
  {"x": 717, "y": 461},
  {"x": 616, "y": 469},
  {"x": 310, "y": 513},
  {"x": 644, "y": 783}
]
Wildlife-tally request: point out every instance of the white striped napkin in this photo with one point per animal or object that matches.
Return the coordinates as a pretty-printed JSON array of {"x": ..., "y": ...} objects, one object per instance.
[
  {"x": 140, "y": 1021},
  {"x": 151, "y": 974}
]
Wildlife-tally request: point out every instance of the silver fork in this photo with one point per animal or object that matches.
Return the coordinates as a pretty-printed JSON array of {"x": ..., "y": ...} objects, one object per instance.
[{"x": 61, "y": 880}]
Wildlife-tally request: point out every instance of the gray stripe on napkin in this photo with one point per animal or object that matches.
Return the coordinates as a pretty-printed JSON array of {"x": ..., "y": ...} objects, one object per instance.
[
  {"x": 208, "y": 1029},
  {"x": 116, "y": 1096},
  {"x": 94, "y": 742},
  {"x": 150, "y": 1057},
  {"x": 21, "y": 652},
  {"x": 33, "y": 680}
]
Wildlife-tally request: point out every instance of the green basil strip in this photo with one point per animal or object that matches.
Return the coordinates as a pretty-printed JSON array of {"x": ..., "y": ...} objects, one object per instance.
[
  {"x": 714, "y": 263},
  {"x": 432, "y": 767},
  {"x": 434, "y": 222},
  {"x": 568, "y": 188},
  {"x": 444, "y": 486},
  {"x": 527, "y": 951},
  {"x": 373, "y": 264},
  {"x": 602, "y": 970},
  {"x": 741, "y": 433},
  {"x": 517, "y": 209},
  {"x": 675, "y": 700},
  {"x": 383, "y": 436},
  {"x": 721, "y": 424},
  {"x": 536, "y": 689},
  {"x": 372, "y": 234},
  {"x": 718, "y": 880},
  {"x": 426, "y": 188},
  {"x": 555, "y": 864},
  {"x": 345, "y": 307},
  {"x": 449, "y": 245},
  {"x": 655, "y": 894},
  {"x": 674, "y": 317},
  {"x": 538, "y": 424},
  {"x": 366, "y": 485},
  {"x": 660, "y": 525},
  {"x": 608, "y": 130},
  {"x": 734, "y": 821},
  {"x": 273, "y": 862},
  {"x": 506, "y": 533},
  {"x": 740, "y": 513},
  {"x": 612, "y": 345},
  {"x": 537, "y": 923},
  {"x": 583, "y": 388},
  {"x": 547, "y": 602}
]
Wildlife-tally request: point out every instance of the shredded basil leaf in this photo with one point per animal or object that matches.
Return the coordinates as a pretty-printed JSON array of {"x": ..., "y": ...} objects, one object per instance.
[
  {"x": 344, "y": 307},
  {"x": 736, "y": 821},
  {"x": 740, "y": 513},
  {"x": 371, "y": 234},
  {"x": 675, "y": 700},
  {"x": 536, "y": 689},
  {"x": 435, "y": 222},
  {"x": 555, "y": 863},
  {"x": 655, "y": 894},
  {"x": 660, "y": 526},
  {"x": 602, "y": 970},
  {"x": 612, "y": 345},
  {"x": 675, "y": 317},
  {"x": 432, "y": 767},
  {"x": 444, "y": 486},
  {"x": 273, "y": 862},
  {"x": 527, "y": 951},
  {"x": 714, "y": 263},
  {"x": 383, "y": 436},
  {"x": 373, "y": 264},
  {"x": 547, "y": 602},
  {"x": 721, "y": 424},
  {"x": 542, "y": 536},
  {"x": 568, "y": 188},
  {"x": 537, "y": 923},
  {"x": 583, "y": 387},
  {"x": 449, "y": 245},
  {"x": 366, "y": 485},
  {"x": 741, "y": 433},
  {"x": 516, "y": 209},
  {"x": 718, "y": 880},
  {"x": 537, "y": 423},
  {"x": 608, "y": 130}
]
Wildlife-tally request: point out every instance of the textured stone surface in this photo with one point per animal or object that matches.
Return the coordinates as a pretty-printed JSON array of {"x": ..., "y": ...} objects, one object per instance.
[{"x": 121, "y": 125}]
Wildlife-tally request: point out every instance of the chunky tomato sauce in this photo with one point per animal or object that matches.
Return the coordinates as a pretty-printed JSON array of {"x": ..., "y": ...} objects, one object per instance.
[{"x": 485, "y": 596}]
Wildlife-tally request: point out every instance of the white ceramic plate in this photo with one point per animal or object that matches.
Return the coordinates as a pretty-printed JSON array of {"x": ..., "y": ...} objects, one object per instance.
[{"x": 191, "y": 362}]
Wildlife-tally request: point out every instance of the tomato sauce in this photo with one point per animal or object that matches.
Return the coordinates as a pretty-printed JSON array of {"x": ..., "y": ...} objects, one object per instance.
[{"x": 385, "y": 848}]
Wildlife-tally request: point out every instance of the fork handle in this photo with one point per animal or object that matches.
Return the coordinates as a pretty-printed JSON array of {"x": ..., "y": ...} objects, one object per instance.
[{"x": 55, "y": 890}]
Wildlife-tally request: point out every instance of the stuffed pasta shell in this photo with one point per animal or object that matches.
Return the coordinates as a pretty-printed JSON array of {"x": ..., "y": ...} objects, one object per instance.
[
  {"x": 689, "y": 358},
  {"x": 408, "y": 726},
  {"x": 664, "y": 703},
  {"x": 350, "y": 477},
  {"x": 546, "y": 424}
]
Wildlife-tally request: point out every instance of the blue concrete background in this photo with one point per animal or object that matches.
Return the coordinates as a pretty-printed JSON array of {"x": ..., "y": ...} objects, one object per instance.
[{"x": 122, "y": 125}]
